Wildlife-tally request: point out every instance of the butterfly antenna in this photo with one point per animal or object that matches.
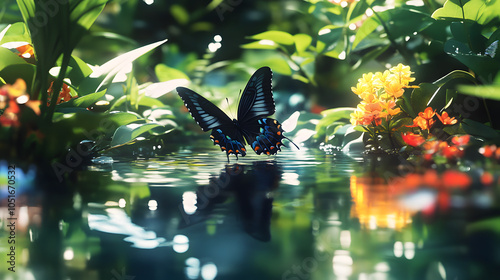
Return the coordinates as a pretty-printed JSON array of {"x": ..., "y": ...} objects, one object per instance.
[{"x": 292, "y": 143}]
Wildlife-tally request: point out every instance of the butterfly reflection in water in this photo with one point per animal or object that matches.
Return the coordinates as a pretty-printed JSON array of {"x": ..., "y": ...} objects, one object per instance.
[{"x": 263, "y": 134}]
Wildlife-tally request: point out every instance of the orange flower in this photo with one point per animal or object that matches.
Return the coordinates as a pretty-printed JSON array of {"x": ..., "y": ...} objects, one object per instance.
[
  {"x": 25, "y": 51},
  {"x": 427, "y": 114},
  {"x": 445, "y": 119},
  {"x": 422, "y": 123},
  {"x": 64, "y": 95},
  {"x": 413, "y": 139}
]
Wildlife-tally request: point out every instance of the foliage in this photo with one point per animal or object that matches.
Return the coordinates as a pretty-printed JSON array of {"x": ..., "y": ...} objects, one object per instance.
[{"x": 104, "y": 104}]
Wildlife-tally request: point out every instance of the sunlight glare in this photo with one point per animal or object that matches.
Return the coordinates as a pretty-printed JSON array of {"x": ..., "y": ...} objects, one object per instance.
[
  {"x": 209, "y": 271},
  {"x": 153, "y": 205}
]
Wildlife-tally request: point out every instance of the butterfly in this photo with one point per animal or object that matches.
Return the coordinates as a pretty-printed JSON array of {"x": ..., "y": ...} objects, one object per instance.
[{"x": 252, "y": 125}]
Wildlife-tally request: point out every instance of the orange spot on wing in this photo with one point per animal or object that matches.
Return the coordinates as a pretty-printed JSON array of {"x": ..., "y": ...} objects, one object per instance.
[
  {"x": 257, "y": 148},
  {"x": 279, "y": 132},
  {"x": 230, "y": 151},
  {"x": 243, "y": 149},
  {"x": 272, "y": 147},
  {"x": 216, "y": 141},
  {"x": 223, "y": 148}
]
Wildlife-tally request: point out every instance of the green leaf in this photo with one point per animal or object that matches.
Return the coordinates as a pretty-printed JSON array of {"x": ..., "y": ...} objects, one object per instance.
[
  {"x": 129, "y": 132},
  {"x": 15, "y": 32},
  {"x": 439, "y": 98},
  {"x": 79, "y": 70},
  {"x": 367, "y": 28},
  {"x": 149, "y": 102},
  {"x": 165, "y": 73},
  {"x": 332, "y": 115},
  {"x": 302, "y": 42},
  {"x": 279, "y": 37},
  {"x": 488, "y": 92},
  {"x": 179, "y": 13},
  {"x": 132, "y": 91},
  {"x": 421, "y": 96},
  {"x": 480, "y": 130},
  {"x": 330, "y": 36},
  {"x": 123, "y": 118},
  {"x": 9, "y": 58},
  {"x": 475, "y": 10},
  {"x": 279, "y": 64},
  {"x": 83, "y": 101}
]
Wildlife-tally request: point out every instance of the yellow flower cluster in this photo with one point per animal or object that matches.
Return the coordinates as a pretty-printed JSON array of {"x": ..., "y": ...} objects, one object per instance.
[{"x": 379, "y": 93}]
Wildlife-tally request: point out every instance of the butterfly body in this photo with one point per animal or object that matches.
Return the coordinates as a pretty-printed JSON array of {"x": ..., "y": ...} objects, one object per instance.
[{"x": 252, "y": 127}]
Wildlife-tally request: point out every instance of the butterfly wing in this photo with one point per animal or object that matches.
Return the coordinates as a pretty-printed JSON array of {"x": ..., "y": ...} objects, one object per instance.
[
  {"x": 257, "y": 98},
  {"x": 208, "y": 116},
  {"x": 264, "y": 134}
]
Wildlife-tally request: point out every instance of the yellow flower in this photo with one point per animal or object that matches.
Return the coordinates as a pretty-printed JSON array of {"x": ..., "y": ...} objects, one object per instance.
[
  {"x": 394, "y": 89},
  {"x": 403, "y": 74}
]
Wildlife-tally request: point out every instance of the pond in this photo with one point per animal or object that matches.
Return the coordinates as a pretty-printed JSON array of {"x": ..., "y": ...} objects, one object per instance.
[{"x": 304, "y": 214}]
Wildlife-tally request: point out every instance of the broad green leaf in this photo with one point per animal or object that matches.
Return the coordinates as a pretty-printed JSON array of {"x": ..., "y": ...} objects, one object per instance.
[
  {"x": 476, "y": 10},
  {"x": 302, "y": 42},
  {"x": 421, "y": 96},
  {"x": 367, "y": 28},
  {"x": 279, "y": 37},
  {"x": 329, "y": 37},
  {"x": 15, "y": 32},
  {"x": 279, "y": 65},
  {"x": 480, "y": 130},
  {"x": 332, "y": 115},
  {"x": 439, "y": 98},
  {"x": 79, "y": 70},
  {"x": 486, "y": 91},
  {"x": 123, "y": 118},
  {"x": 83, "y": 101},
  {"x": 149, "y": 102},
  {"x": 129, "y": 132},
  {"x": 165, "y": 73},
  {"x": 9, "y": 58}
]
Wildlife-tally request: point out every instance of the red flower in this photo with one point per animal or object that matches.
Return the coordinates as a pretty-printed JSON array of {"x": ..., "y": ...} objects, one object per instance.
[
  {"x": 413, "y": 139},
  {"x": 455, "y": 179},
  {"x": 488, "y": 151},
  {"x": 460, "y": 140},
  {"x": 452, "y": 152}
]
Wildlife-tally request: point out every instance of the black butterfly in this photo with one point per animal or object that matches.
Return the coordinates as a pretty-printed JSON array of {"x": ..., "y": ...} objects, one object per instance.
[{"x": 263, "y": 134}]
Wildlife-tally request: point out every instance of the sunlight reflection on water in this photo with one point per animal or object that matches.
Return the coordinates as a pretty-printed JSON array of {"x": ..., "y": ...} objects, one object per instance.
[{"x": 300, "y": 214}]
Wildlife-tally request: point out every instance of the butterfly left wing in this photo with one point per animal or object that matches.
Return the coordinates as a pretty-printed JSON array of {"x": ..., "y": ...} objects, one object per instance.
[
  {"x": 208, "y": 116},
  {"x": 205, "y": 113}
]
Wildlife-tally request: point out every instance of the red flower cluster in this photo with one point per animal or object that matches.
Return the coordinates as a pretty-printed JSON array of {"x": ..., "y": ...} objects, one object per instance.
[{"x": 490, "y": 151}]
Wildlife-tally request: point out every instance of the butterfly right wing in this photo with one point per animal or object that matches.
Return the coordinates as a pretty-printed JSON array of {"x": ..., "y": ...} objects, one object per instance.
[{"x": 208, "y": 116}]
